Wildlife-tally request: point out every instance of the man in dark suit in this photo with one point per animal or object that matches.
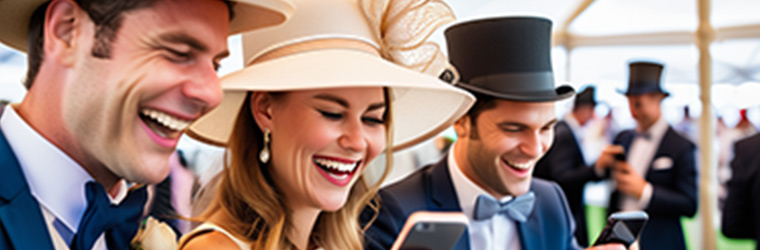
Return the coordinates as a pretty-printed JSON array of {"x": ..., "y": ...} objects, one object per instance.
[
  {"x": 740, "y": 216},
  {"x": 111, "y": 87},
  {"x": 565, "y": 162},
  {"x": 486, "y": 175},
  {"x": 658, "y": 174}
]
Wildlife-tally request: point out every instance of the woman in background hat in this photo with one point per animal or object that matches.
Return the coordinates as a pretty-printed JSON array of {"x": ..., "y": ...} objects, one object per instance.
[{"x": 316, "y": 104}]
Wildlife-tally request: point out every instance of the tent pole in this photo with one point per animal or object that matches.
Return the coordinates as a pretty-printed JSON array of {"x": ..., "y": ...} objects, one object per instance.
[{"x": 707, "y": 185}]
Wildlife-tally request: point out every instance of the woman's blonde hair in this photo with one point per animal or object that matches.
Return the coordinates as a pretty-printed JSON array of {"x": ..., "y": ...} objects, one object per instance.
[{"x": 251, "y": 205}]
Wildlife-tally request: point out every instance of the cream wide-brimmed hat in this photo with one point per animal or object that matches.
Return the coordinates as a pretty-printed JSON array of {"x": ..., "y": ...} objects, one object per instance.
[
  {"x": 331, "y": 43},
  {"x": 249, "y": 14}
]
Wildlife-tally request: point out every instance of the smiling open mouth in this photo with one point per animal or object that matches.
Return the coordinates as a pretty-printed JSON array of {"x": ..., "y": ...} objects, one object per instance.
[
  {"x": 521, "y": 167},
  {"x": 163, "y": 124},
  {"x": 338, "y": 171}
]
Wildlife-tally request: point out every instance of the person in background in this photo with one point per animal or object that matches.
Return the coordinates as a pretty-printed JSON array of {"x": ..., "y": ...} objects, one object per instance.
[
  {"x": 111, "y": 87},
  {"x": 487, "y": 174},
  {"x": 565, "y": 161},
  {"x": 658, "y": 174},
  {"x": 740, "y": 218},
  {"x": 316, "y": 103}
]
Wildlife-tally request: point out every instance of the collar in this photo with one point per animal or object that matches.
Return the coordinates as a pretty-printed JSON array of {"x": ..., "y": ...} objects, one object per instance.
[
  {"x": 572, "y": 122},
  {"x": 656, "y": 131},
  {"x": 50, "y": 173},
  {"x": 466, "y": 189}
]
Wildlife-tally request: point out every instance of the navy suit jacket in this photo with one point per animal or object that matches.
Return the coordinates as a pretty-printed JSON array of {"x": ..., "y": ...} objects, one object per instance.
[
  {"x": 549, "y": 226},
  {"x": 674, "y": 191},
  {"x": 21, "y": 223},
  {"x": 564, "y": 164},
  {"x": 740, "y": 213}
]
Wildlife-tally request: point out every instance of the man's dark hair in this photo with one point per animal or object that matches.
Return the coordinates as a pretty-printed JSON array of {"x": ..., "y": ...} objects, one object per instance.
[
  {"x": 107, "y": 16},
  {"x": 483, "y": 103}
]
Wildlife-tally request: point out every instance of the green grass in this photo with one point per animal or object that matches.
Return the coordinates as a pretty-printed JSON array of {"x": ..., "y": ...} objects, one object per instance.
[{"x": 596, "y": 218}]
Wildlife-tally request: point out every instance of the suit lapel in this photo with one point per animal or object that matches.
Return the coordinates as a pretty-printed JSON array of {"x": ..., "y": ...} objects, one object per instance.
[
  {"x": 530, "y": 231},
  {"x": 442, "y": 188},
  {"x": 443, "y": 196},
  {"x": 20, "y": 214}
]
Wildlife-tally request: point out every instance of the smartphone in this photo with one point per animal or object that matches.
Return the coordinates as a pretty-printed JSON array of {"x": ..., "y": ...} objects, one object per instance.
[
  {"x": 623, "y": 227},
  {"x": 426, "y": 230},
  {"x": 620, "y": 157}
]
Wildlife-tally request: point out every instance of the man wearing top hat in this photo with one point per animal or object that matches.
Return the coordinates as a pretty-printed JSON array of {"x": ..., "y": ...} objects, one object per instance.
[
  {"x": 505, "y": 63},
  {"x": 658, "y": 174},
  {"x": 111, "y": 87},
  {"x": 565, "y": 162}
]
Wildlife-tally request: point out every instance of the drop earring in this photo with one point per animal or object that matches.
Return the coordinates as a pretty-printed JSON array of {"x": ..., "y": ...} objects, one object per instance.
[{"x": 264, "y": 155}]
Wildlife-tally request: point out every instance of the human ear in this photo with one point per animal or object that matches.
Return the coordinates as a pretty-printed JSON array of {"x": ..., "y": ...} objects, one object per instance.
[
  {"x": 261, "y": 109},
  {"x": 462, "y": 126},
  {"x": 63, "y": 23}
]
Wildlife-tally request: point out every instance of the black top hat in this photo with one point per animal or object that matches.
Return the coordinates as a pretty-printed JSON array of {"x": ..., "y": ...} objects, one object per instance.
[
  {"x": 586, "y": 97},
  {"x": 643, "y": 78},
  {"x": 507, "y": 58}
]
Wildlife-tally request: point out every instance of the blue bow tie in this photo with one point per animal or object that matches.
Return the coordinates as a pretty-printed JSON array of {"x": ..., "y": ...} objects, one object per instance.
[
  {"x": 645, "y": 135},
  {"x": 518, "y": 208},
  {"x": 119, "y": 222}
]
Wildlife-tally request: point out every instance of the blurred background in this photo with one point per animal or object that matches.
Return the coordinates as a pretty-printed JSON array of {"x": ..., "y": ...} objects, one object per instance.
[{"x": 593, "y": 43}]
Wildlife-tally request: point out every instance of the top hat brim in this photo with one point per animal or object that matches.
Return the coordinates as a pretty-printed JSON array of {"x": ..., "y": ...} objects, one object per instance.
[
  {"x": 643, "y": 90},
  {"x": 560, "y": 93},
  {"x": 412, "y": 93},
  {"x": 249, "y": 14}
]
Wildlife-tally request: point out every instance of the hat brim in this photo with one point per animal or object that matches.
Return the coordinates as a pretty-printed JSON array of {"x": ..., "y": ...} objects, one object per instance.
[
  {"x": 640, "y": 91},
  {"x": 423, "y": 106},
  {"x": 560, "y": 93},
  {"x": 249, "y": 14}
]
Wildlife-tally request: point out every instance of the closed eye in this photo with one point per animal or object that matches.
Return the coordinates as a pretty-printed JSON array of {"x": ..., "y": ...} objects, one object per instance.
[
  {"x": 373, "y": 121},
  {"x": 177, "y": 56},
  {"x": 331, "y": 115}
]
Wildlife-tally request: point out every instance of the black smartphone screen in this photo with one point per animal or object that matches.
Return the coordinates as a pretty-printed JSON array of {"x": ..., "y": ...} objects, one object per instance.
[{"x": 623, "y": 227}]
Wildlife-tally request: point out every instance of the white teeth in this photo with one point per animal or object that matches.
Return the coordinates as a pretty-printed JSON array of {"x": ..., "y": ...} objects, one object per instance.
[
  {"x": 340, "y": 166},
  {"x": 520, "y": 166},
  {"x": 338, "y": 177},
  {"x": 166, "y": 120}
]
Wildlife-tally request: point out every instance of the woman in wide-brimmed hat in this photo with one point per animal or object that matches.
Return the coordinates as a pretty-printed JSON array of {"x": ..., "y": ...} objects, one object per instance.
[{"x": 322, "y": 96}]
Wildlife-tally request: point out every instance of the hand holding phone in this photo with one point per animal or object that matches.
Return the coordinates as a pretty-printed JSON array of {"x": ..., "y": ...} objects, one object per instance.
[
  {"x": 431, "y": 231},
  {"x": 623, "y": 227}
]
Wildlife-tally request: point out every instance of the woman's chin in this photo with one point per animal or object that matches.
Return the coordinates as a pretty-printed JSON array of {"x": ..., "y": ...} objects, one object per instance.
[{"x": 333, "y": 205}]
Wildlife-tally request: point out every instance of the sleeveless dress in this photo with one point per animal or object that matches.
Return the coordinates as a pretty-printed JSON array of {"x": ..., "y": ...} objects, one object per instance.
[{"x": 208, "y": 227}]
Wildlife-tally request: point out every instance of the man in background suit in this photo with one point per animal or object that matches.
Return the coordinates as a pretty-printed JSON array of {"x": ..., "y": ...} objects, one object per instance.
[
  {"x": 565, "y": 161},
  {"x": 111, "y": 87},
  {"x": 505, "y": 63},
  {"x": 658, "y": 174},
  {"x": 740, "y": 216}
]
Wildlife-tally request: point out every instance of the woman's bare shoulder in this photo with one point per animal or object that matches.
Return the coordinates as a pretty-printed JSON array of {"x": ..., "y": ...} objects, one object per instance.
[{"x": 209, "y": 240}]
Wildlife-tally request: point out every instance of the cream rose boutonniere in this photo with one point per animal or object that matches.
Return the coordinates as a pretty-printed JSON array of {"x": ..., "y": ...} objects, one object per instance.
[{"x": 154, "y": 235}]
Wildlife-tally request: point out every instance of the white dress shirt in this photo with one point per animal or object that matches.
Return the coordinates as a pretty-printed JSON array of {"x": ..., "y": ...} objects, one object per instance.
[
  {"x": 640, "y": 155},
  {"x": 499, "y": 232},
  {"x": 55, "y": 180}
]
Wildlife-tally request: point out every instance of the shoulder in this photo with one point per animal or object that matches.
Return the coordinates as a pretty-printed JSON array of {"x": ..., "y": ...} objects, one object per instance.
[
  {"x": 677, "y": 140},
  {"x": 544, "y": 188},
  {"x": 749, "y": 144},
  {"x": 209, "y": 239}
]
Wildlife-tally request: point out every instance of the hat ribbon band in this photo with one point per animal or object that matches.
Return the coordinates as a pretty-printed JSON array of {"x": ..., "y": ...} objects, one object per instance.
[{"x": 313, "y": 45}]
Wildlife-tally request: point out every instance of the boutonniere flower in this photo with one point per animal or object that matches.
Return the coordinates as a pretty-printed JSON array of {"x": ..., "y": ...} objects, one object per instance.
[{"x": 154, "y": 235}]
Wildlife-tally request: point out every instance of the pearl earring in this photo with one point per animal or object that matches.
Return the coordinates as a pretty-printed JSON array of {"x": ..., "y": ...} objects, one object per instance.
[{"x": 264, "y": 155}]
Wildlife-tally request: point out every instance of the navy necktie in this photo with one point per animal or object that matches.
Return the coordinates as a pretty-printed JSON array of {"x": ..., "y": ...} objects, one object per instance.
[
  {"x": 517, "y": 209},
  {"x": 118, "y": 222}
]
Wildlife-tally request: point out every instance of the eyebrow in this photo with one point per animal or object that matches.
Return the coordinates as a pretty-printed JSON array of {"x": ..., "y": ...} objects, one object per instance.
[
  {"x": 344, "y": 103},
  {"x": 522, "y": 125},
  {"x": 178, "y": 37}
]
